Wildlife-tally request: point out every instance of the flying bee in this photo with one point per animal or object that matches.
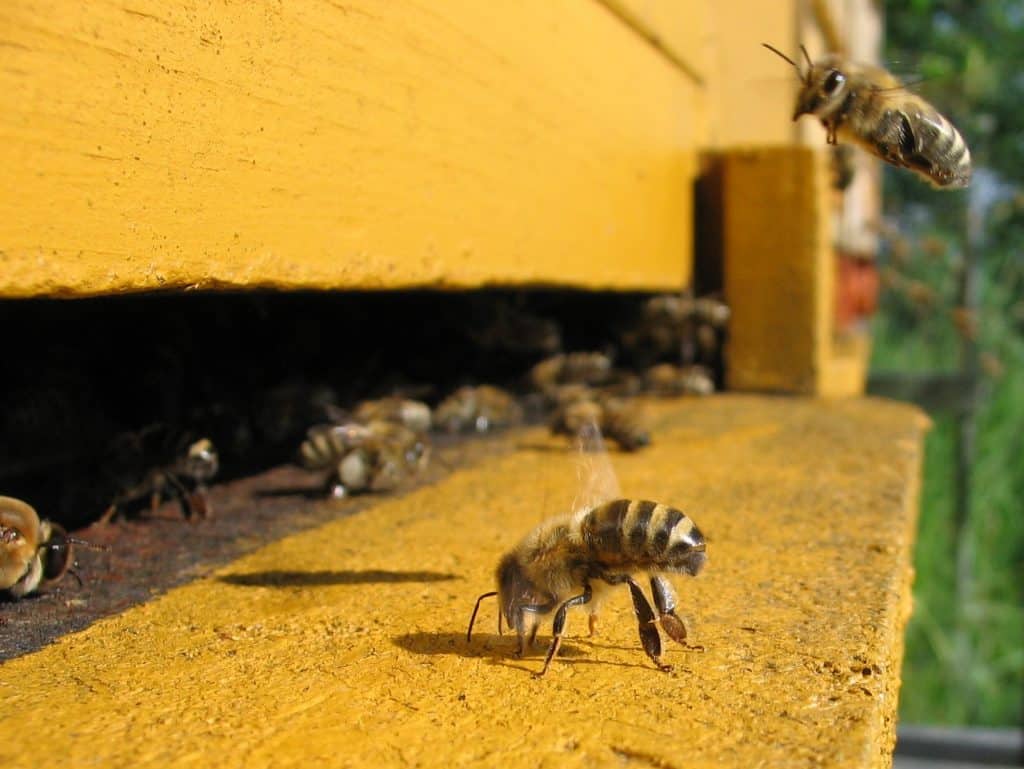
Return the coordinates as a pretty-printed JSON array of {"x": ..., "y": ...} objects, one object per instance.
[
  {"x": 869, "y": 107},
  {"x": 617, "y": 418},
  {"x": 575, "y": 560},
  {"x": 375, "y": 456},
  {"x": 479, "y": 408},
  {"x": 34, "y": 553},
  {"x": 184, "y": 477}
]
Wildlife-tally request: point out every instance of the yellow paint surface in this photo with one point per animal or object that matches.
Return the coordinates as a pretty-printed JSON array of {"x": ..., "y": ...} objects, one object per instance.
[
  {"x": 750, "y": 90},
  {"x": 780, "y": 275},
  {"x": 345, "y": 646},
  {"x": 678, "y": 28},
  {"x": 360, "y": 144}
]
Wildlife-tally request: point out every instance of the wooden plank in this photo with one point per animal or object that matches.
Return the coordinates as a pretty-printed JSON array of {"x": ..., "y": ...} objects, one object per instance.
[
  {"x": 779, "y": 271},
  {"x": 358, "y": 145},
  {"x": 677, "y": 28},
  {"x": 750, "y": 91},
  {"x": 345, "y": 645}
]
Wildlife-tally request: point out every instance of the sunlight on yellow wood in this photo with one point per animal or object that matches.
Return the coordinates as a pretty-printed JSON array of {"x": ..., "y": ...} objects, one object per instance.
[
  {"x": 345, "y": 645},
  {"x": 325, "y": 145}
]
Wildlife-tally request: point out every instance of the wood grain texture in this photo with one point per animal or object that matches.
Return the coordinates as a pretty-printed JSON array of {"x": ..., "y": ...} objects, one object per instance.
[{"x": 357, "y": 144}]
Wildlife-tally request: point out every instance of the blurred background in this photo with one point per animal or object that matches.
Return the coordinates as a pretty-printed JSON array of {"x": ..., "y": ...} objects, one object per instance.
[{"x": 949, "y": 335}]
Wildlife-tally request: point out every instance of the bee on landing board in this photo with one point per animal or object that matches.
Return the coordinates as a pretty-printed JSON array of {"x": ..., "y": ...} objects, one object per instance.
[
  {"x": 184, "y": 477},
  {"x": 480, "y": 409},
  {"x": 376, "y": 456},
  {"x": 869, "y": 107},
  {"x": 618, "y": 418},
  {"x": 34, "y": 553},
  {"x": 575, "y": 560}
]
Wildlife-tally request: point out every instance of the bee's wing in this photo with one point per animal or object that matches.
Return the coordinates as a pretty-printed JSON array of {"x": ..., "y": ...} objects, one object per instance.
[{"x": 596, "y": 479}]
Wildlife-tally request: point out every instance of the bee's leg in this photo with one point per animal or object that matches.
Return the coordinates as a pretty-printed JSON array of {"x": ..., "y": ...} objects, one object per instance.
[
  {"x": 108, "y": 514},
  {"x": 592, "y": 624},
  {"x": 182, "y": 493},
  {"x": 830, "y": 128},
  {"x": 647, "y": 623},
  {"x": 157, "y": 482},
  {"x": 665, "y": 601},
  {"x": 533, "y": 633},
  {"x": 558, "y": 626},
  {"x": 199, "y": 500},
  {"x": 520, "y": 624}
]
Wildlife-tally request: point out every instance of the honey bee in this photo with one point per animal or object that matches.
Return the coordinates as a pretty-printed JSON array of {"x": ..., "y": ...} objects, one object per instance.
[
  {"x": 590, "y": 368},
  {"x": 679, "y": 326},
  {"x": 480, "y": 408},
  {"x": 574, "y": 560},
  {"x": 375, "y": 456},
  {"x": 185, "y": 478},
  {"x": 616, "y": 418},
  {"x": 414, "y": 415},
  {"x": 668, "y": 379},
  {"x": 33, "y": 553},
  {"x": 869, "y": 107}
]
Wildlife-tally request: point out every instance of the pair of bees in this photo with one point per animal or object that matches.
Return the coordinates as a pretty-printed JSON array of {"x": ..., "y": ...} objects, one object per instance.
[{"x": 869, "y": 107}]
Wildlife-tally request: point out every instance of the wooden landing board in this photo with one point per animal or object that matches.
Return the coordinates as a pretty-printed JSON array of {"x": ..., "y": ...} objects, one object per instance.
[{"x": 345, "y": 645}]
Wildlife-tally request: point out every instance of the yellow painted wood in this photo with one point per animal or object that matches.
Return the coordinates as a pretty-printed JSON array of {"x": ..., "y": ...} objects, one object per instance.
[
  {"x": 779, "y": 270},
  {"x": 846, "y": 370},
  {"x": 678, "y": 28},
  {"x": 780, "y": 275},
  {"x": 361, "y": 144},
  {"x": 750, "y": 91},
  {"x": 345, "y": 645}
]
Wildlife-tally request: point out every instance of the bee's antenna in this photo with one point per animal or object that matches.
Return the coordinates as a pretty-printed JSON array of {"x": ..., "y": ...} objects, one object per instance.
[
  {"x": 807, "y": 56},
  {"x": 86, "y": 543},
  {"x": 472, "y": 619},
  {"x": 796, "y": 66}
]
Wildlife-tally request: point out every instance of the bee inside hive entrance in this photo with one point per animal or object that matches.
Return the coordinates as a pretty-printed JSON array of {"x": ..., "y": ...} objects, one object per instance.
[{"x": 127, "y": 411}]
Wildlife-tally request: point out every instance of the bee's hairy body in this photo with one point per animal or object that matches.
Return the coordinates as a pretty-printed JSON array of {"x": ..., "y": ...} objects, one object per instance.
[
  {"x": 869, "y": 107},
  {"x": 571, "y": 560},
  {"x": 900, "y": 127}
]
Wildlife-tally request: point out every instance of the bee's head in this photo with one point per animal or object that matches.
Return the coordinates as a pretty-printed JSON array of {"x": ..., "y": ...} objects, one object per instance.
[
  {"x": 202, "y": 461},
  {"x": 824, "y": 84},
  {"x": 516, "y": 591},
  {"x": 689, "y": 554},
  {"x": 50, "y": 561},
  {"x": 56, "y": 551},
  {"x": 824, "y": 90}
]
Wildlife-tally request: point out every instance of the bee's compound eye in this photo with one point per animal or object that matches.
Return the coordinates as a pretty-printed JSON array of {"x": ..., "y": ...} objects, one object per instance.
[
  {"x": 833, "y": 81},
  {"x": 56, "y": 554}
]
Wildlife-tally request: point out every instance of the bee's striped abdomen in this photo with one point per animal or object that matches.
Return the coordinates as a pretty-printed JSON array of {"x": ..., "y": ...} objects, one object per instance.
[
  {"x": 933, "y": 147},
  {"x": 326, "y": 444},
  {"x": 637, "y": 534}
]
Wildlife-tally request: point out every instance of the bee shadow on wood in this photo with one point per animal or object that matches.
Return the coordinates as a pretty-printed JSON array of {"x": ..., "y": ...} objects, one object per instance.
[
  {"x": 565, "y": 448},
  {"x": 500, "y": 650},
  {"x": 306, "y": 492},
  {"x": 278, "y": 578}
]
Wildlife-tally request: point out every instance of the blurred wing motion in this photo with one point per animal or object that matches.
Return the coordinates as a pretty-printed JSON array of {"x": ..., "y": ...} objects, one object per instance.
[{"x": 596, "y": 480}]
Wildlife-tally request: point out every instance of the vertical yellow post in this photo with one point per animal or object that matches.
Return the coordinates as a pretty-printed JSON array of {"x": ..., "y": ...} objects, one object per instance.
[{"x": 778, "y": 268}]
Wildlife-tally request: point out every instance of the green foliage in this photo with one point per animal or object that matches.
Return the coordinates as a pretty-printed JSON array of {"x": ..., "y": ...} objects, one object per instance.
[{"x": 964, "y": 658}]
